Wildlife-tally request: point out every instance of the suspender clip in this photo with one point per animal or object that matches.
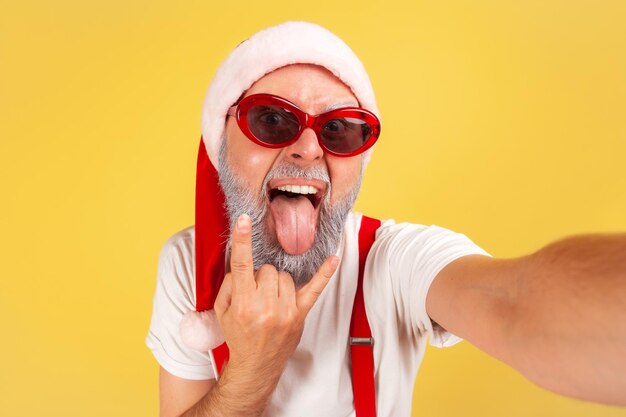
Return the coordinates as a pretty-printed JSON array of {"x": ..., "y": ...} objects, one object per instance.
[{"x": 362, "y": 341}]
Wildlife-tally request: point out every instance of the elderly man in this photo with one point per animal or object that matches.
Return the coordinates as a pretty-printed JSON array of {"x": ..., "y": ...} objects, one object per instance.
[{"x": 325, "y": 312}]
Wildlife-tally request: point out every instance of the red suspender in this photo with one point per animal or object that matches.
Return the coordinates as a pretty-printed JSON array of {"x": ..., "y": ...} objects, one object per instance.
[
  {"x": 220, "y": 357},
  {"x": 361, "y": 341}
]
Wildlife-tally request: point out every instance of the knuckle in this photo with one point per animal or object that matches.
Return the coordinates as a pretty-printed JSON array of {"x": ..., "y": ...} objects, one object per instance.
[
  {"x": 316, "y": 292},
  {"x": 281, "y": 315},
  {"x": 270, "y": 319},
  {"x": 240, "y": 238},
  {"x": 267, "y": 270},
  {"x": 285, "y": 276},
  {"x": 241, "y": 316},
  {"x": 289, "y": 319},
  {"x": 286, "y": 281},
  {"x": 238, "y": 265},
  {"x": 267, "y": 317}
]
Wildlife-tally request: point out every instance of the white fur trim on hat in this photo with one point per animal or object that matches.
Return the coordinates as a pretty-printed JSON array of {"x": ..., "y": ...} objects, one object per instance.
[
  {"x": 273, "y": 48},
  {"x": 201, "y": 330}
]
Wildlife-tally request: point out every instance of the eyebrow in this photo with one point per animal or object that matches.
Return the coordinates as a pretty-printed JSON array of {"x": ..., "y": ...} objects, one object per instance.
[{"x": 340, "y": 105}]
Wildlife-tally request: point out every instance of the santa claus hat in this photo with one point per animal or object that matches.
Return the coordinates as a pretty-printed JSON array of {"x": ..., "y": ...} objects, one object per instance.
[{"x": 267, "y": 50}]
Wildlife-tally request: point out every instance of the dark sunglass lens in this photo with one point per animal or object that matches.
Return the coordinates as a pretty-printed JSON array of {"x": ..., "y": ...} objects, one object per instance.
[
  {"x": 272, "y": 124},
  {"x": 346, "y": 134}
]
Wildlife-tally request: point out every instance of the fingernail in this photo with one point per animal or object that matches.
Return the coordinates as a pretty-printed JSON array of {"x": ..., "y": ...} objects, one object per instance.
[
  {"x": 243, "y": 223},
  {"x": 334, "y": 261}
]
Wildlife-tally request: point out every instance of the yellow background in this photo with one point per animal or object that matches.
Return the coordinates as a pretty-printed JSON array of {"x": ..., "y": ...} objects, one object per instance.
[{"x": 502, "y": 120}]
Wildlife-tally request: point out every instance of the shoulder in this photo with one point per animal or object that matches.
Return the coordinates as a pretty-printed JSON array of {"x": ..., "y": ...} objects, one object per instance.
[
  {"x": 180, "y": 243},
  {"x": 403, "y": 249},
  {"x": 179, "y": 249},
  {"x": 176, "y": 271},
  {"x": 392, "y": 235}
]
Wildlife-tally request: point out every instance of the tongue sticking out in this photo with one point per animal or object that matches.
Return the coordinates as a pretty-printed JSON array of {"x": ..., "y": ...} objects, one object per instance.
[{"x": 295, "y": 220}]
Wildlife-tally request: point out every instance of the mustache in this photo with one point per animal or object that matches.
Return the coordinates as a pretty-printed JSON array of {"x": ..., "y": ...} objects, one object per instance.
[{"x": 291, "y": 170}]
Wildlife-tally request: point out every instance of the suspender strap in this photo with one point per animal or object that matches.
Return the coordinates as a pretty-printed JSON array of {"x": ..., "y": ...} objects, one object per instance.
[
  {"x": 220, "y": 357},
  {"x": 361, "y": 341}
]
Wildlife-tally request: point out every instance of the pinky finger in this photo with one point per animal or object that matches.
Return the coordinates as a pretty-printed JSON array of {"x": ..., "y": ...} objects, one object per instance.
[{"x": 308, "y": 295}]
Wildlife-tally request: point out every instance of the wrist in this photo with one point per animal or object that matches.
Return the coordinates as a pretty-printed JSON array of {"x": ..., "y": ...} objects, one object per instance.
[
  {"x": 247, "y": 386},
  {"x": 252, "y": 368}
]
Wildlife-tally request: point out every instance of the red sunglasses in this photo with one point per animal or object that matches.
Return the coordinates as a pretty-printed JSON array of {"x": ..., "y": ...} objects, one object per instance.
[{"x": 274, "y": 122}]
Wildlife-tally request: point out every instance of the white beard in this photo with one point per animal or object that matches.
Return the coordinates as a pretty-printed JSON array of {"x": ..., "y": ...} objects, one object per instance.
[{"x": 265, "y": 247}]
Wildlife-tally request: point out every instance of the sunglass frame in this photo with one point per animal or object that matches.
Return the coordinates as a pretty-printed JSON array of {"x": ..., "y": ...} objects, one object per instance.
[{"x": 305, "y": 120}]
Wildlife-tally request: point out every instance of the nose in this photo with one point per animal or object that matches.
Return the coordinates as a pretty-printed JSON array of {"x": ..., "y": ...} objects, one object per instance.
[{"x": 306, "y": 149}]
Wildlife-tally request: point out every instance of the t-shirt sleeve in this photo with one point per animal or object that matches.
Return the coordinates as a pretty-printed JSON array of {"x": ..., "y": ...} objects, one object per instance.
[
  {"x": 413, "y": 256},
  {"x": 175, "y": 295}
]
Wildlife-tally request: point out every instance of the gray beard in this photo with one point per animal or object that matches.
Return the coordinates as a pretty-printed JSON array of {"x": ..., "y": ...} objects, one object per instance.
[{"x": 265, "y": 247}]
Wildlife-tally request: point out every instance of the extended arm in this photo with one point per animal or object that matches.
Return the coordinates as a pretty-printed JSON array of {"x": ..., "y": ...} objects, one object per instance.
[{"x": 558, "y": 316}]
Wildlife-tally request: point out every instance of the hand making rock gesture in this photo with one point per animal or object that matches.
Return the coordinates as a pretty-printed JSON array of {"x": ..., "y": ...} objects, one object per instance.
[{"x": 261, "y": 313}]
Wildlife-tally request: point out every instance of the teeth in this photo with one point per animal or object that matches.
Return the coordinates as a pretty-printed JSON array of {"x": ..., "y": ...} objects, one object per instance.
[{"x": 299, "y": 189}]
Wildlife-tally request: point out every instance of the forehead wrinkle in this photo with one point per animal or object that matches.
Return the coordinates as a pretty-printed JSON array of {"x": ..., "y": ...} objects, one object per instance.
[
  {"x": 312, "y": 88},
  {"x": 318, "y": 104}
]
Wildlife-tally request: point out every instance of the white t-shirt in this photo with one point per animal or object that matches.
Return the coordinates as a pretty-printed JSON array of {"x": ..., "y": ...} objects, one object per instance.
[{"x": 401, "y": 265}]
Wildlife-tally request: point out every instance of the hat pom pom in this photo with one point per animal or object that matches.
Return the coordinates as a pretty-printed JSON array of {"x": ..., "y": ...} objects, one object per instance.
[{"x": 201, "y": 330}]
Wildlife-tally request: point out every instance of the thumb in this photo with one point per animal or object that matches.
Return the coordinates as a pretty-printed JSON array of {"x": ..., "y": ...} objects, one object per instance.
[
  {"x": 308, "y": 295},
  {"x": 224, "y": 296}
]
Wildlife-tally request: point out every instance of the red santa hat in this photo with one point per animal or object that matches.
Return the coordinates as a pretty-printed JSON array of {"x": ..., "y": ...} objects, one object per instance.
[{"x": 272, "y": 48}]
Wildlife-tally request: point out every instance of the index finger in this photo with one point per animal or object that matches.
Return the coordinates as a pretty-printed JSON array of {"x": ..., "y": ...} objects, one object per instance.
[{"x": 241, "y": 264}]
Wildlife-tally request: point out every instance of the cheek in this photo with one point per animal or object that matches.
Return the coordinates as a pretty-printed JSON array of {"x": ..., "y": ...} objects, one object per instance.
[
  {"x": 249, "y": 161},
  {"x": 344, "y": 175}
]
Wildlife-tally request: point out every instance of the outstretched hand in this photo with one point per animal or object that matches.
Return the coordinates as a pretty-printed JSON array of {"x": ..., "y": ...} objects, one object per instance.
[{"x": 262, "y": 313}]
